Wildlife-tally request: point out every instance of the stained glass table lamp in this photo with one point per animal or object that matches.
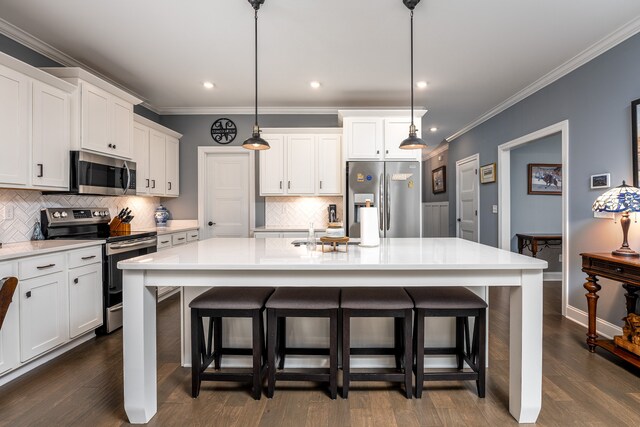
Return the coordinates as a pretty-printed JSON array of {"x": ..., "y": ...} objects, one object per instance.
[{"x": 622, "y": 199}]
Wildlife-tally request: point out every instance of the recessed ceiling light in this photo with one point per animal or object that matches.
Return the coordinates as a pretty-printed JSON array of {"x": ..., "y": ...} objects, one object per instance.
[
  {"x": 208, "y": 85},
  {"x": 315, "y": 85},
  {"x": 421, "y": 85},
  {"x": 433, "y": 129}
]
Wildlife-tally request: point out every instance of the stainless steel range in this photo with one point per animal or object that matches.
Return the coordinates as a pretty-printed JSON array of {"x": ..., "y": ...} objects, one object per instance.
[{"x": 93, "y": 223}]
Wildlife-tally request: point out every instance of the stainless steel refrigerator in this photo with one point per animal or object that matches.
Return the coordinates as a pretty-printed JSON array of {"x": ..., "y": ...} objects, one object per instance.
[{"x": 394, "y": 188}]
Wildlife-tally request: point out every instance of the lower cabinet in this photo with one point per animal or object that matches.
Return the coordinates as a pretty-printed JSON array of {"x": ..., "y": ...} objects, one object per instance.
[
  {"x": 85, "y": 299},
  {"x": 170, "y": 240},
  {"x": 10, "y": 332},
  {"x": 43, "y": 314}
]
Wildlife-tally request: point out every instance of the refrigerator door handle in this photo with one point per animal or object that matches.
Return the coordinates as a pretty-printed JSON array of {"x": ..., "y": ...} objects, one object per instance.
[
  {"x": 388, "y": 201},
  {"x": 381, "y": 198}
]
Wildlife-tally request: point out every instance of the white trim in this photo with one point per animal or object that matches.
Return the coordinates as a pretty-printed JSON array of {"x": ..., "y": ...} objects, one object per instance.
[
  {"x": 35, "y": 73},
  {"x": 438, "y": 150},
  {"x": 202, "y": 155},
  {"x": 185, "y": 111},
  {"x": 552, "y": 276},
  {"x": 613, "y": 39},
  {"x": 603, "y": 328},
  {"x": 504, "y": 195},
  {"x": 289, "y": 131},
  {"x": 476, "y": 158},
  {"x": 418, "y": 112},
  {"x": 153, "y": 125}
]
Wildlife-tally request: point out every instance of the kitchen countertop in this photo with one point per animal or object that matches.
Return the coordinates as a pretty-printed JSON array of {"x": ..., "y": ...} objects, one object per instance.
[
  {"x": 284, "y": 228},
  {"x": 31, "y": 248},
  {"x": 172, "y": 228}
]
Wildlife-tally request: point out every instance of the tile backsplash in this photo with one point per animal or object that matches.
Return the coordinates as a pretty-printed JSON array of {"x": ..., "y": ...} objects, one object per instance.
[
  {"x": 26, "y": 205},
  {"x": 300, "y": 211}
]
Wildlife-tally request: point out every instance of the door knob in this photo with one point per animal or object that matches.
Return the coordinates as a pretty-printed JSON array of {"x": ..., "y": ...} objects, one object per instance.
[
  {"x": 211, "y": 223},
  {"x": 459, "y": 219}
]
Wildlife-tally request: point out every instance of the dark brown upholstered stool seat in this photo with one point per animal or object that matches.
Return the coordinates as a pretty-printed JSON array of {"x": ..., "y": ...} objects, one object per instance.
[
  {"x": 301, "y": 302},
  {"x": 216, "y": 304},
  {"x": 460, "y": 303},
  {"x": 378, "y": 302}
]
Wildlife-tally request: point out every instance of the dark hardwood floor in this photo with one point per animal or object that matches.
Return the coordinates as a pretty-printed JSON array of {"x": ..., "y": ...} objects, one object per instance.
[{"x": 84, "y": 387}]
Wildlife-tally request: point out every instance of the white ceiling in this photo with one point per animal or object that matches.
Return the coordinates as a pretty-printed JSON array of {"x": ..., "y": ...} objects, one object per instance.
[{"x": 474, "y": 54}]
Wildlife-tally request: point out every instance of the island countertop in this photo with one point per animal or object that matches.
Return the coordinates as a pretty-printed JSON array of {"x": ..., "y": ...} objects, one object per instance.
[{"x": 276, "y": 253}]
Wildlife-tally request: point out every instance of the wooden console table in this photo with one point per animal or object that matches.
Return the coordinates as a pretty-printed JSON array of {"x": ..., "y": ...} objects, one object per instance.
[
  {"x": 532, "y": 240},
  {"x": 621, "y": 269}
]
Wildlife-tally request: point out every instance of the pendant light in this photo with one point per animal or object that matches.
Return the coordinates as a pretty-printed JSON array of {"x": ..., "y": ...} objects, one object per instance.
[
  {"x": 255, "y": 142},
  {"x": 413, "y": 142}
]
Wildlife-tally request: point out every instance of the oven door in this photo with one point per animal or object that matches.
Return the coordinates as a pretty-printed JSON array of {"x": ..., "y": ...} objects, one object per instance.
[
  {"x": 96, "y": 174},
  {"x": 114, "y": 253}
]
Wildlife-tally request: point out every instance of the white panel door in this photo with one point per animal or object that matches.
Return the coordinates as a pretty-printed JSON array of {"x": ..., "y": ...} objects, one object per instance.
[
  {"x": 272, "y": 166},
  {"x": 140, "y": 151},
  {"x": 172, "y": 162},
  {"x": 226, "y": 207},
  {"x": 121, "y": 127},
  {"x": 43, "y": 314},
  {"x": 157, "y": 162},
  {"x": 14, "y": 127},
  {"x": 85, "y": 299},
  {"x": 396, "y": 130},
  {"x": 363, "y": 138},
  {"x": 301, "y": 165},
  {"x": 467, "y": 199},
  {"x": 96, "y": 130},
  {"x": 10, "y": 332},
  {"x": 330, "y": 167},
  {"x": 51, "y": 141}
]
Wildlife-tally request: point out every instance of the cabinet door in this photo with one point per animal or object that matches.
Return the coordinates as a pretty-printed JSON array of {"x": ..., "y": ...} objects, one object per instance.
[
  {"x": 96, "y": 134},
  {"x": 157, "y": 162},
  {"x": 121, "y": 127},
  {"x": 51, "y": 128},
  {"x": 172, "y": 153},
  {"x": 396, "y": 130},
  {"x": 10, "y": 332},
  {"x": 14, "y": 130},
  {"x": 301, "y": 164},
  {"x": 363, "y": 137},
  {"x": 141, "y": 157},
  {"x": 85, "y": 299},
  {"x": 272, "y": 161},
  {"x": 43, "y": 314},
  {"x": 329, "y": 161}
]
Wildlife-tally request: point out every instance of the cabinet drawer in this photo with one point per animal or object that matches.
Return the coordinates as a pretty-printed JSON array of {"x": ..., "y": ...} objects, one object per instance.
[
  {"x": 178, "y": 238},
  {"x": 85, "y": 256},
  {"x": 615, "y": 271},
  {"x": 40, "y": 265},
  {"x": 192, "y": 235},
  {"x": 164, "y": 241}
]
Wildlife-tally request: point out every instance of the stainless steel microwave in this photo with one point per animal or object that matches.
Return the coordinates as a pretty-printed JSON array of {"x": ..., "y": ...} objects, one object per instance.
[{"x": 102, "y": 175}]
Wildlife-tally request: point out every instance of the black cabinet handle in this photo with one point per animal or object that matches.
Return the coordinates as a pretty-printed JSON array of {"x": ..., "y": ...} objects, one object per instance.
[
  {"x": 76, "y": 280},
  {"x": 211, "y": 223},
  {"x": 619, "y": 269},
  {"x": 169, "y": 185},
  {"x": 114, "y": 146},
  {"x": 153, "y": 183},
  {"x": 28, "y": 294},
  {"x": 147, "y": 183},
  {"x": 110, "y": 145},
  {"x": 43, "y": 267},
  {"x": 164, "y": 241},
  {"x": 84, "y": 258},
  {"x": 181, "y": 238},
  {"x": 41, "y": 174}
]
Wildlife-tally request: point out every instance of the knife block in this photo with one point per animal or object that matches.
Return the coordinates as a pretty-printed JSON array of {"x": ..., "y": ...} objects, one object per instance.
[{"x": 117, "y": 226}]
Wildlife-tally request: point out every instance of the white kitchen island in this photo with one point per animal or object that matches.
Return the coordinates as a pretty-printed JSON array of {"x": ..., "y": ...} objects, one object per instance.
[{"x": 275, "y": 262}]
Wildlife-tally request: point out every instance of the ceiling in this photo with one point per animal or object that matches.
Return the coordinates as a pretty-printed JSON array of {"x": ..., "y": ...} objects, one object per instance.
[{"x": 473, "y": 54}]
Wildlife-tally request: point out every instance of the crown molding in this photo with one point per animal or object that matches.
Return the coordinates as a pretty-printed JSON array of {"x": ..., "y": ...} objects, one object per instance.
[
  {"x": 615, "y": 38},
  {"x": 245, "y": 110},
  {"x": 438, "y": 150}
]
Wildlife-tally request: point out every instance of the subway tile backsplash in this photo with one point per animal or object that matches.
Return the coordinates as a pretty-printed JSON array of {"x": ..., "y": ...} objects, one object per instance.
[
  {"x": 300, "y": 211},
  {"x": 26, "y": 205}
]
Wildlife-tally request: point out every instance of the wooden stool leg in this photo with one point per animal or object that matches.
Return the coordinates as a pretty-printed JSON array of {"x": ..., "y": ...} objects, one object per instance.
[
  {"x": 397, "y": 341},
  {"x": 481, "y": 325},
  {"x": 217, "y": 339},
  {"x": 257, "y": 354},
  {"x": 333, "y": 354},
  {"x": 196, "y": 357},
  {"x": 406, "y": 344},
  {"x": 282, "y": 340},
  {"x": 460, "y": 334},
  {"x": 346, "y": 351},
  {"x": 271, "y": 351},
  {"x": 419, "y": 346}
]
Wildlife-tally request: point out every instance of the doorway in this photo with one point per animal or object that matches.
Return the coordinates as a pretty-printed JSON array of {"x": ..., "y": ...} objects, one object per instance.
[
  {"x": 504, "y": 193},
  {"x": 226, "y": 191},
  {"x": 467, "y": 198}
]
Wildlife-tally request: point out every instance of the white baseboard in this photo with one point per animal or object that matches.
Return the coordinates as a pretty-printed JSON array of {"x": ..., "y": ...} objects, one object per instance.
[
  {"x": 552, "y": 276},
  {"x": 603, "y": 328}
]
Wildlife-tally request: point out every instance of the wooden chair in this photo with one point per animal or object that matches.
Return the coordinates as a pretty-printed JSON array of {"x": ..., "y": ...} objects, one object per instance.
[{"x": 7, "y": 288}]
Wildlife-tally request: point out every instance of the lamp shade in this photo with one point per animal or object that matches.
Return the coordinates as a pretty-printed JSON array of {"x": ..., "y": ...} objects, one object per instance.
[
  {"x": 623, "y": 198},
  {"x": 413, "y": 142},
  {"x": 255, "y": 143}
]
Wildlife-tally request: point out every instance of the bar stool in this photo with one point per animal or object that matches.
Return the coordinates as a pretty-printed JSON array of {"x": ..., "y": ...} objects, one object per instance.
[
  {"x": 215, "y": 304},
  {"x": 301, "y": 302},
  {"x": 378, "y": 302},
  {"x": 460, "y": 303}
]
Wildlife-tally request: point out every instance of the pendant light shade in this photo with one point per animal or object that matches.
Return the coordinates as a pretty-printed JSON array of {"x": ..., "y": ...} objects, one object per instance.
[
  {"x": 412, "y": 142},
  {"x": 256, "y": 142}
]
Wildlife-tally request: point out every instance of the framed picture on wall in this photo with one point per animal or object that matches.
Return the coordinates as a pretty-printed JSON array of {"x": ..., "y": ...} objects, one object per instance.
[
  {"x": 488, "y": 173},
  {"x": 545, "y": 178},
  {"x": 439, "y": 180},
  {"x": 601, "y": 180}
]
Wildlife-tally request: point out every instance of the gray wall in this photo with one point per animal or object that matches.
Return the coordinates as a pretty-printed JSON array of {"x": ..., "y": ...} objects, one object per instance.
[
  {"x": 536, "y": 213},
  {"x": 595, "y": 99},
  {"x": 427, "y": 188},
  {"x": 196, "y": 131}
]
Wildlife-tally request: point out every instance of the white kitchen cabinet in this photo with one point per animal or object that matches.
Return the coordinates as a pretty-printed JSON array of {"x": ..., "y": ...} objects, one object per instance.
[
  {"x": 140, "y": 152},
  {"x": 396, "y": 130},
  {"x": 14, "y": 127},
  {"x": 172, "y": 165},
  {"x": 43, "y": 314},
  {"x": 157, "y": 163},
  {"x": 170, "y": 240},
  {"x": 178, "y": 238},
  {"x": 121, "y": 127},
  {"x": 329, "y": 164},
  {"x": 364, "y": 137},
  {"x": 301, "y": 165},
  {"x": 10, "y": 332},
  {"x": 51, "y": 128},
  {"x": 272, "y": 166},
  {"x": 193, "y": 236},
  {"x": 85, "y": 298}
]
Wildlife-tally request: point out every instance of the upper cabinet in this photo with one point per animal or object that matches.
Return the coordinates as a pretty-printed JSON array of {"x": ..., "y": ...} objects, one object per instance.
[
  {"x": 35, "y": 127},
  {"x": 301, "y": 162},
  {"x": 156, "y": 151},
  {"x": 102, "y": 114},
  {"x": 376, "y": 135}
]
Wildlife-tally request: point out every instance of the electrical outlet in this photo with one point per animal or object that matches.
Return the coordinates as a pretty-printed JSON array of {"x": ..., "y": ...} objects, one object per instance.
[{"x": 494, "y": 209}]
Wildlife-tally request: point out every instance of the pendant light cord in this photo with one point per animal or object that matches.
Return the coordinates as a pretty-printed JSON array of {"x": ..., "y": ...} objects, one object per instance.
[
  {"x": 256, "y": 64},
  {"x": 412, "y": 124}
]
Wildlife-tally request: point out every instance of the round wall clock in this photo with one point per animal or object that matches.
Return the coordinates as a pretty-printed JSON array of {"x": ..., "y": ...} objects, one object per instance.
[{"x": 223, "y": 131}]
